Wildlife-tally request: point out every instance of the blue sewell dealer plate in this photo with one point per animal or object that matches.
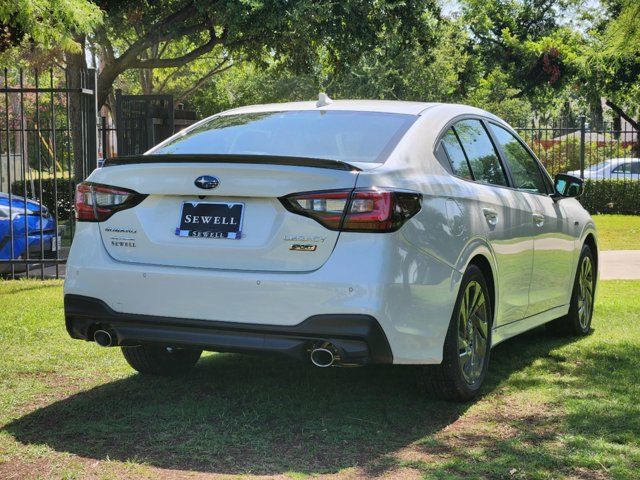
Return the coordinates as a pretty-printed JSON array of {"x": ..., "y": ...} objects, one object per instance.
[{"x": 211, "y": 220}]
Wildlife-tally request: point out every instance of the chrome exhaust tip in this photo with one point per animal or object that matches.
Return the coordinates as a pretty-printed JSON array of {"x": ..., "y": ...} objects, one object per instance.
[
  {"x": 322, "y": 357},
  {"x": 103, "y": 338}
]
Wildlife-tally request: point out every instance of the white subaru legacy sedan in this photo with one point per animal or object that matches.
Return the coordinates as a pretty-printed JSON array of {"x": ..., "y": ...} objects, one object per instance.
[{"x": 332, "y": 232}]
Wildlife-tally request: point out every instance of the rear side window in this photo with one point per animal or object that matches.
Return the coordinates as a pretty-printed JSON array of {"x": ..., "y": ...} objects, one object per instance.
[
  {"x": 347, "y": 136},
  {"x": 627, "y": 168},
  {"x": 524, "y": 168},
  {"x": 457, "y": 158},
  {"x": 482, "y": 156}
]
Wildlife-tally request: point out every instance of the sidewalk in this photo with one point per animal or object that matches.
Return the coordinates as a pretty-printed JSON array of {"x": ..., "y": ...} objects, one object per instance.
[{"x": 619, "y": 265}]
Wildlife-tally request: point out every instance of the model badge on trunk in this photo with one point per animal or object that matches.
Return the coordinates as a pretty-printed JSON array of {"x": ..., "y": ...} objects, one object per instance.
[
  {"x": 303, "y": 248},
  {"x": 207, "y": 182}
]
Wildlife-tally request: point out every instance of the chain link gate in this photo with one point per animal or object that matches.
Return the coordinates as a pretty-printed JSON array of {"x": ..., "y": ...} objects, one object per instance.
[{"x": 48, "y": 143}]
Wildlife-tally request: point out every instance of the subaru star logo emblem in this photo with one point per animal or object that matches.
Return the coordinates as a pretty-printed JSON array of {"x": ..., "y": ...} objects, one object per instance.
[{"x": 207, "y": 182}]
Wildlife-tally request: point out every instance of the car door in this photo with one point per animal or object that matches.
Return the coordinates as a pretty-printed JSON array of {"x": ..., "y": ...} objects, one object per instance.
[
  {"x": 553, "y": 239},
  {"x": 505, "y": 217}
]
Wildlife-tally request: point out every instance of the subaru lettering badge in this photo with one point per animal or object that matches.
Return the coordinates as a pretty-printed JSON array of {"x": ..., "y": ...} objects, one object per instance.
[{"x": 207, "y": 182}]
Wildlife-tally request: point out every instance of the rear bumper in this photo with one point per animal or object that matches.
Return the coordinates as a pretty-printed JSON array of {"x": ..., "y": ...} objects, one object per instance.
[
  {"x": 408, "y": 293},
  {"x": 359, "y": 338}
]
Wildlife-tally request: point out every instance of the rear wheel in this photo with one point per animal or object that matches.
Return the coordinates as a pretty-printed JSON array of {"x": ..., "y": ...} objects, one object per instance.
[
  {"x": 467, "y": 344},
  {"x": 161, "y": 360},
  {"x": 578, "y": 321}
]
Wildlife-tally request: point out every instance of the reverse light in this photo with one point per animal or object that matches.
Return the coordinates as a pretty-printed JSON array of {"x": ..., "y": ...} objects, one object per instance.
[
  {"x": 96, "y": 202},
  {"x": 370, "y": 210}
]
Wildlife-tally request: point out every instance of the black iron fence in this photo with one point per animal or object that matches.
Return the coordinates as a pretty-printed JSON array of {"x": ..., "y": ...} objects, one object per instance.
[
  {"x": 607, "y": 158},
  {"x": 143, "y": 121},
  {"x": 108, "y": 139},
  {"x": 51, "y": 137},
  {"x": 48, "y": 141}
]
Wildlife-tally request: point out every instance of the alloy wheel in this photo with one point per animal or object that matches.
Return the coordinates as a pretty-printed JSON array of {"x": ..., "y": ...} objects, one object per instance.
[
  {"x": 473, "y": 332},
  {"x": 585, "y": 295}
]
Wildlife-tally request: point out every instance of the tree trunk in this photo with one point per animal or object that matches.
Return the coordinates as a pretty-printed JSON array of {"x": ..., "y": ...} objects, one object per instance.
[
  {"x": 106, "y": 78},
  {"x": 76, "y": 66},
  {"x": 635, "y": 149}
]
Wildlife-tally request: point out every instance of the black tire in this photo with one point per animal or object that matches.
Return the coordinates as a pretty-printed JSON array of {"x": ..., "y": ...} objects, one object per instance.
[
  {"x": 578, "y": 321},
  {"x": 447, "y": 380},
  {"x": 160, "y": 360}
]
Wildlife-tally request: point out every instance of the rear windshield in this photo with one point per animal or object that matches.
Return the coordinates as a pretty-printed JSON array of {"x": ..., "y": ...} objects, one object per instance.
[{"x": 333, "y": 135}]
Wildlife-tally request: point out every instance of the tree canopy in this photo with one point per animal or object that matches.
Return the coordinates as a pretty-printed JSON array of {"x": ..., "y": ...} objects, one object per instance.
[
  {"x": 173, "y": 34},
  {"x": 45, "y": 23},
  {"x": 510, "y": 56}
]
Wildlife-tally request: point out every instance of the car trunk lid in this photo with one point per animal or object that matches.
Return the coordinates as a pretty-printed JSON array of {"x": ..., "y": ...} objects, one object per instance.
[{"x": 153, "y": 232}]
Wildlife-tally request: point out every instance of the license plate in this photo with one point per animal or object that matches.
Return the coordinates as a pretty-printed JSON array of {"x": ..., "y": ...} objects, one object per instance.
[{"x": 211, "y": 220}]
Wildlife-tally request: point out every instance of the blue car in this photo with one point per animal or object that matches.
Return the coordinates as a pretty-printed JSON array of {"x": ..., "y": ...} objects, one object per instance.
[{"x": 38, "y": 224}]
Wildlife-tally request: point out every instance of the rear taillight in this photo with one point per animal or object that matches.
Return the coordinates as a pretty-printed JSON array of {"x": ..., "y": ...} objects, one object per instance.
[
  {"x": 96, "y": 203},
  {"x": 371, "y": 210}
]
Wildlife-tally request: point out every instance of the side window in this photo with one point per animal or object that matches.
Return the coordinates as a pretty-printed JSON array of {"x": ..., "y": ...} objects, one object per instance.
[
  {"x": 483, "y": 159},
  {"x": 624, "y": 168},
  {"x": 456, "y": 155},
  {"x": 635, "y": 168},
  {"x": 442, "y": 157},
  {"x": 524, "y": 168}
]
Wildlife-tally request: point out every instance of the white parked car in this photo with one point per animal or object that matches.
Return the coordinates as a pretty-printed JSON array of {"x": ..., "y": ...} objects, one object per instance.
[
  {"x": 336, "y": 232},
  {"x": 612, "y": 169}
]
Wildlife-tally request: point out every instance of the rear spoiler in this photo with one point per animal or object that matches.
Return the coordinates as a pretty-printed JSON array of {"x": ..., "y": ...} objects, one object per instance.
[{"x": 224, "y": 158}]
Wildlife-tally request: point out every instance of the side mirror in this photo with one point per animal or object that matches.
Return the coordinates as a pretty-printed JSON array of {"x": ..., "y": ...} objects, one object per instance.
[{"x": 568, "y": 186}]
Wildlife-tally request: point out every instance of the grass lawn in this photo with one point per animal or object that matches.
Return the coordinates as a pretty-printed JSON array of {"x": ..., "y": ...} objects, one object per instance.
[
  {"x": 553, "y": 408},
  {"x": 618, "y": 232}
]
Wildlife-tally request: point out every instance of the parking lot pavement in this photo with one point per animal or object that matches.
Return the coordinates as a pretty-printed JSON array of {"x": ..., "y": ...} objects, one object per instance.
[{"x": 619, "y": 265}]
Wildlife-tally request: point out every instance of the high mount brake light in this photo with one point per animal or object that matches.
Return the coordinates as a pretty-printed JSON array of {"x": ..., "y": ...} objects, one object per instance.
[
  {"x": 371, "y": 210},
  {"x": 96, "y": 203}
]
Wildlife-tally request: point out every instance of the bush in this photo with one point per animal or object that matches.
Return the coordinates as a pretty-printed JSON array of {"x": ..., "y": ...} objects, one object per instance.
[
  {"x": 564, "y": 156},
  {"x": 611, "y": 196},
  {"x": 65, "y": 188}
]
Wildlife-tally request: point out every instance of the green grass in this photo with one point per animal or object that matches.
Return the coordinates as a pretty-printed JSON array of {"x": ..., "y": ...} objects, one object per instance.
[
  {"x": 618, "y": 232},
  {"x": 552, "y": 408}
]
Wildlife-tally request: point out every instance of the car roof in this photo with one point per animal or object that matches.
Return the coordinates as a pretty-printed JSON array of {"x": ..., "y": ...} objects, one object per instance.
[
  {"x": 17, "y": 198},
  {"x": 383, "y": 106},
  {"x": 425, "y": 109}
]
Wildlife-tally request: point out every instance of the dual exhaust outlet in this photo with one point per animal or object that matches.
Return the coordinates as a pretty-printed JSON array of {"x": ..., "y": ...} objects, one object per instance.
[
  {"x": 322, "y": 355},
  {"x": 104, "y": 338}
]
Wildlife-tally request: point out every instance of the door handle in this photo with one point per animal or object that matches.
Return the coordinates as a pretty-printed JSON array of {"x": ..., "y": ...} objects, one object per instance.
[
  {"x": 538, "y": 219},
  {"x": 491, "y": 215}
]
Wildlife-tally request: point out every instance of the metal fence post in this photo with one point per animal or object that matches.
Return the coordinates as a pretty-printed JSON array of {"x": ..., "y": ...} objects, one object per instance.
[
  {"x": 583, "y": 120},
  {"x": 92, "y": 121},
  {"x": 103, "y": 132},
  {"x": 120, "y": 126}
]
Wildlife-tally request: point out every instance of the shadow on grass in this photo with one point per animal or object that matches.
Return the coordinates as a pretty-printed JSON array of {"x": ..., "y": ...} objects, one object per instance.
[
  {"x": 26, "y": 287},
  {"x": 238, "y": 414}
]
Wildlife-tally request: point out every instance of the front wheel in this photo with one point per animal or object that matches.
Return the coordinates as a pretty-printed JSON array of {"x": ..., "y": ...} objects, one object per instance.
[
  {"x": 467, "y": 345},
  {"x": 160, "y": 360}
]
